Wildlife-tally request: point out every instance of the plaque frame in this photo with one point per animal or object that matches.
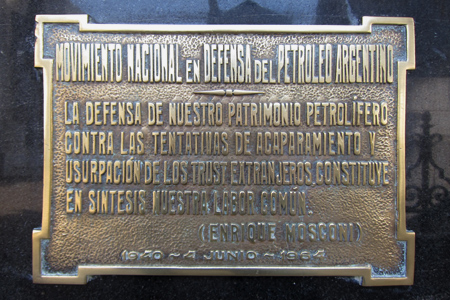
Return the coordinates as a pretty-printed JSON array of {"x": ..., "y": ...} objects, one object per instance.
[{"x": 363, "y": 274}]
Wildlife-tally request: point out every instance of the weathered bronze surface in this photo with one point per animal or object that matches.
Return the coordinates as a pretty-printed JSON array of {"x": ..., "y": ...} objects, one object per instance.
[{"x": 224, "y": 150}]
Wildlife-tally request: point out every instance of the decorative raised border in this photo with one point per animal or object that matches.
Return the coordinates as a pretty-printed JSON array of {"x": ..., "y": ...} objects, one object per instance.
[{"x": 362, "y": 273}]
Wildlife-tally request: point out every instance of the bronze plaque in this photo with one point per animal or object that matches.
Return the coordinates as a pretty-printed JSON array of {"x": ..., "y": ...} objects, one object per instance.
[{"x": 224, "y": 150}]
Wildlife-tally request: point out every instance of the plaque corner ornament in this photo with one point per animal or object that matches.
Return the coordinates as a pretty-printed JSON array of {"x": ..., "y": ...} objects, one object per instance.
[{"x": 136, "y": 116}]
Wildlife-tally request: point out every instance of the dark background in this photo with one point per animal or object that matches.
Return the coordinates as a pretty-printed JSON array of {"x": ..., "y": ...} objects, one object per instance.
[{"x": 427, "y": 139}]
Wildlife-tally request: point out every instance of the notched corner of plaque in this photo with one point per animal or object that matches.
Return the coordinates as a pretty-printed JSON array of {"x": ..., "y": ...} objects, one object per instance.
[
  {"x": 405, "y": 276},
  {"x": 313, "y": 254}
]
